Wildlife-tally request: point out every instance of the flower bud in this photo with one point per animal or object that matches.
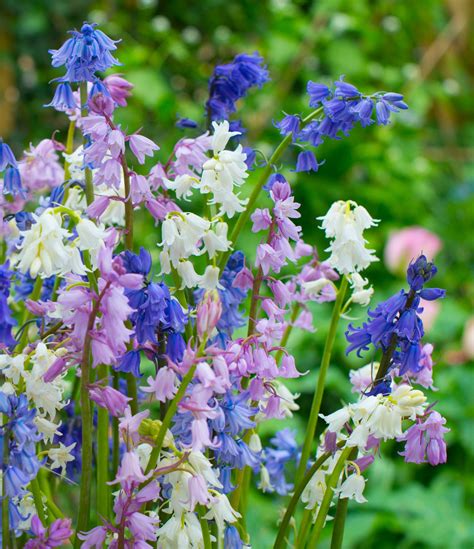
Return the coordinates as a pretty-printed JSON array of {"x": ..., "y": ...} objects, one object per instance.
[
  {"x": 101, "y": 104},
  {"x": 208, "y": 314}
]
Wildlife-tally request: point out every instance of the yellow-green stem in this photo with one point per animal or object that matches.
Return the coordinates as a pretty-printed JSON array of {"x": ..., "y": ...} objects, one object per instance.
[
  {"x": 5, "y": 517},
  {"x": 318, "y": 395},
  {"x": 328, "y": 494},
  {"x": 37, "y": 498},
  {"x": 290, "y": 510},
  {"x": 155, "y": 454},
  {"x": 89, "y": 191},
  {"x": 206, "y": 536},
  {"x": 103, "y": 450}
]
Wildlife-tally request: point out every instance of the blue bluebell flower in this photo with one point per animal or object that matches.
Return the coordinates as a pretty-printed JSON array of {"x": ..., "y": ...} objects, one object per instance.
[
  {"x": 12, "y": 183},
  {"x": 395, "y": 326},
  {"x": 63, "y": 99},
  {"x": 20, "y": 433},
  {"x": 11, "y": 179},
  {"x": 238, "y": 412},
  {"x": 289, "y": 124},
  {"x": 317, "y": 93},
  {"x": 7, "y": 158},
  {"x": 183, "y": 123},
  {"x": 285, "y": 451},
  {"x": 307, "y": 162},
  {"x": 225, "y": 476},
  {"x": 24, "y": 220},
  {"x": 71, "y": 432},
  {"x": 24, "y": 286},
  {"x": 343, "y": 106},
  {"x": 231, "y": 82},
  {"x": 251, "y": 157},
  {"x": 175, "y": 346},
  {"x": 6, "y": 319},
  {"x": 129, "y": 363},
  {"x": 232, "y": 538},
  {"x": 85, "y": 53},
  {"x": 274, "y": 178}
]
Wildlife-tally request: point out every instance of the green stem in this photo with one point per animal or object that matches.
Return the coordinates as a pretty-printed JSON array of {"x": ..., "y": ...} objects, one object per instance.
[
  {"x": 37, "y": 498},
  {"x": 288, "y": 330},
  {"x": 86, "y": 473},
  {"x": 303, "y": 529},
  {"x": 206, "y": 536},
  {"x": 128, "y": 207},
  {"x": 339, "y": 523},
  {"x": 328, "y": 494},
  {"x": 155, "y": 454},
  {"x": 318, "y": 395},
  {"x": 103, "y": 489},
  {"x": 267, "y": 170},
  {"x": 5, "y": 516},
  {"x": 290, "y": 510},
  {"x": 115, "y": 430},
  {"x": 69, "y": 147},
  {"x": 87, "y": 171},
  {"x": 132, "y": 392}
]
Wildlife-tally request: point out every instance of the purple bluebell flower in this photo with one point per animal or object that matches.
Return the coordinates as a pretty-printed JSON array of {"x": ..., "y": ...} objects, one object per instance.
[{"x": 424, "y": 441}]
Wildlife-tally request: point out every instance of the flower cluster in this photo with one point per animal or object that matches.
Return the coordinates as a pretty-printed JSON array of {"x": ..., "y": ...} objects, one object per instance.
[
  {"x": 231, "y": 82},
  {"x": 85, "y": 53},
  {"x": 143, "y": 375},
  {"x": 395, "y": 325}
]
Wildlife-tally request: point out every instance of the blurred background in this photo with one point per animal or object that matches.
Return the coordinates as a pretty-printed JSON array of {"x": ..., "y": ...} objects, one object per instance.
[{"x": 417, "y": 172}]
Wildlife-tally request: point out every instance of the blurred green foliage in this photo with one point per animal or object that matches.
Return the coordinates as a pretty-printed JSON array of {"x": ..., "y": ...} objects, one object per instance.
[{"x": 417, "y": 171}]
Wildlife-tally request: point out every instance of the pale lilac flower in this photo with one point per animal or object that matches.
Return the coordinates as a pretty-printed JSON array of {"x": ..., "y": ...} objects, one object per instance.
[
  {"x": 109, "y": 398},
  {"x": 119, "y": 88},
  {"x": 41, "y": 169},
  {"x": 261, "y": 220},
  {"x": 141, "y": 146},
  {"x": 164, "y": 385}
]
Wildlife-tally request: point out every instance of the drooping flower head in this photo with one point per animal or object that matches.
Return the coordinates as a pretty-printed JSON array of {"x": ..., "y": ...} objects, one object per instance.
[
  {"x": 395, "y": 325},
  {"x": 232, "y": 81}
]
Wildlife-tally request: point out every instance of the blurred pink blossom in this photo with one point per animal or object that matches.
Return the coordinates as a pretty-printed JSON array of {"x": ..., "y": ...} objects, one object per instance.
[
  {"x": 430, "y": 312},
  {"x": 407, "y": 244}
]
